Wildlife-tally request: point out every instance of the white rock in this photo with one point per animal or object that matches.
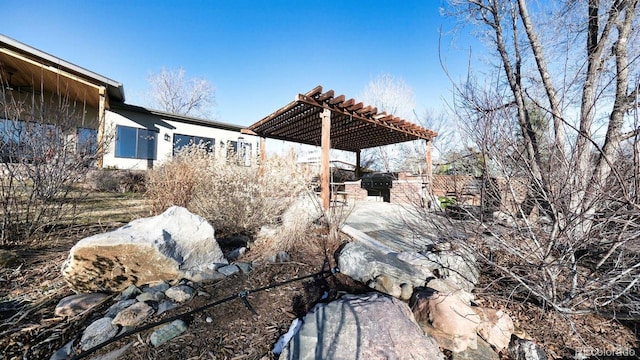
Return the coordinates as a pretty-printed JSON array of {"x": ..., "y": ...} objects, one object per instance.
[
  {"x": 384, "y": 272},
  {"x": 98, "y": 332},
  {"x": 169, "y": 246},
  {"x": 454, "y": 264},
  {"x": 180, "y": 293}
]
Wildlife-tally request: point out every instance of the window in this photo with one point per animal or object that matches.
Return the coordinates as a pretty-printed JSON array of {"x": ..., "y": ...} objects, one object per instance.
[
  {"x": 232, "y": 150},
  {"x": 245, "y": 154},
  {"x": 28, "y": 141},
  {"x": 12, "y": 139},
  {"x": 136, "y": 143},
  {"x": 87, "y": 142},
  {"x": 180, "y": 141},
  {"x": 239, "y": 152}
]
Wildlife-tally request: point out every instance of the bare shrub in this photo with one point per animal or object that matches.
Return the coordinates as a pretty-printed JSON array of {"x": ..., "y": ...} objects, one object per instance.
[
  {"x": 561, "y": 143},
  {"x": 104, "y": 180},
  {"x": 234, "y": 198},
  {"x": 175, "y": 181},
  {"x": 132, "y": 181},
  {"x": 239, "y": 199},
  {"x": 42, "y": 158},
  {"x": 112, "y": 180}
]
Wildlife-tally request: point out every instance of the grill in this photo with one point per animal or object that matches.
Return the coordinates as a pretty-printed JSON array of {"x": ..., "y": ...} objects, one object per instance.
[{"x": 378, "y": 184}]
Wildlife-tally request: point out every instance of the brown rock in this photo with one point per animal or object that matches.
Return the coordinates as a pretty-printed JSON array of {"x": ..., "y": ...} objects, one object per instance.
[
  {"x": 496, "y": 327},
  {"x": 447, "y": 318},
  {"x": 75, "y": 304}
]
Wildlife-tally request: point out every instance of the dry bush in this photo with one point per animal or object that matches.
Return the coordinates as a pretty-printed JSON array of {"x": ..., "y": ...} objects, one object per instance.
[
  {"x": 174, "y": 182},
  {"x": 112, "y": 180},
  {"x": 234, "y": 198},
  {"x": 239, "y": 199}
]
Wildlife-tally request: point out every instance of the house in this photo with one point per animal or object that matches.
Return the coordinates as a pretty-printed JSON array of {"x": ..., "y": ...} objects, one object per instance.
[
  {"x": 142, "y": 138},
  {"x": 97, "y": 117}
]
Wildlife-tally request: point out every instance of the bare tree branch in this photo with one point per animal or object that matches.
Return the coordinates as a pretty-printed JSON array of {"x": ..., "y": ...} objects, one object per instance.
[{"x": 171, "y": 92}]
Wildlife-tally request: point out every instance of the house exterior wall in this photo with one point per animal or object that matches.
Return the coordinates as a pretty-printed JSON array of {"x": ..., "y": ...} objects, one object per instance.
[
  {"x": 164, "y": 128},
  {"x": 48, "y": 108}
]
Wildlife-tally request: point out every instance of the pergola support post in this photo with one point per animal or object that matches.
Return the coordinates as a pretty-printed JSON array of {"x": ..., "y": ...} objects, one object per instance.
[
  {"x": 429, "y": 169},
  {"x": 102, "y": 107},
  {"x": 263, "y": 150},
  {"x": 325, "y": 142},
  {"x": 358, "y": 171}
]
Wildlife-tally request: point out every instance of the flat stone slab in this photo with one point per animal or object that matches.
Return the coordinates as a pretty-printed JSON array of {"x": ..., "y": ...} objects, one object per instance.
[{"x": 75, "y": 304}]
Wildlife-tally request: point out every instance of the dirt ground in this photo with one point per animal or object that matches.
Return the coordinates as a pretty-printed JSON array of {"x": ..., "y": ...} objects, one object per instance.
[{"x": 31, "y": 288}]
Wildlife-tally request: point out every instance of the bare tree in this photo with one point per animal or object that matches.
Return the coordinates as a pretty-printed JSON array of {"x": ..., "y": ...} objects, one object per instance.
[
  {"x": 392, "y": 96},
  {"x": 172, "y": 92},
  {"x": 556, "y": 130}
]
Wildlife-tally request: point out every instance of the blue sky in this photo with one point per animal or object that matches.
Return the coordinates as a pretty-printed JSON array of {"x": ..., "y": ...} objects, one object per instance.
[{"x": 258, "y": 54}]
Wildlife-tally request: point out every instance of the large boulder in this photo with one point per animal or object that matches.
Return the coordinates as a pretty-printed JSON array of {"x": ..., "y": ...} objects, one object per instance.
[
  {"x": 303, "y": 212},
  {"x": 385, "y": 272},
  {"x": 447, "y": 261},
  {"x": 370, "y": 326},
  {"x": 173, "y": 245}
]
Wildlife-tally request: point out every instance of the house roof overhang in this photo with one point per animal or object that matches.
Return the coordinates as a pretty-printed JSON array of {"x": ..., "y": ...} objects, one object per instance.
[
  {"x": 33, "y": 70},
  {"x": 175, "y": 117},
  {"x": 354, "y": 126}
]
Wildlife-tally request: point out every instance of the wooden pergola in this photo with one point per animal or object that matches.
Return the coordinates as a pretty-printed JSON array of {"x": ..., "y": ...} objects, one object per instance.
[{"x": 331, "y": 121}]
